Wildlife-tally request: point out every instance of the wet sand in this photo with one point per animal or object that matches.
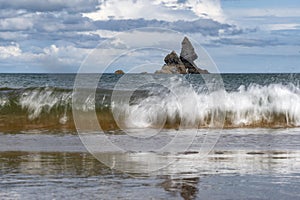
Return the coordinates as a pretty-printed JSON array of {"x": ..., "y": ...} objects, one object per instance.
[{"x": 244, "y": 164}]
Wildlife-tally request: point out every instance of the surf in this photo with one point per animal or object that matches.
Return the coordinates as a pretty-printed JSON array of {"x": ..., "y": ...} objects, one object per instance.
[{"x": 252, "y": 106}]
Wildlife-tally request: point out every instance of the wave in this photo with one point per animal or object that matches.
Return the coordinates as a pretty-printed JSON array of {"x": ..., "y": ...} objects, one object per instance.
[{"x": 274, "y": 105}]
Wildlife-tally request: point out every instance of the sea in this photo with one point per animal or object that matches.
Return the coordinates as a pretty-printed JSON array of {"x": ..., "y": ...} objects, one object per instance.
[{"x": 146, "y": 136}]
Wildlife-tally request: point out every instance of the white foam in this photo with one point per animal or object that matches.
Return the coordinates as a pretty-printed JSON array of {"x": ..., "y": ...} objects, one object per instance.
[
  {"x": 37, "y": 101},
  {"x": 245, "y": 107},
  {"x": 275, "y": 104},
  {"x": 3, "y": 101}
]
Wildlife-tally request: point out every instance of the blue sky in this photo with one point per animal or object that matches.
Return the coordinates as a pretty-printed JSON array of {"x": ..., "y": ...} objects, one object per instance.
[{"x": 241, "y": 36}]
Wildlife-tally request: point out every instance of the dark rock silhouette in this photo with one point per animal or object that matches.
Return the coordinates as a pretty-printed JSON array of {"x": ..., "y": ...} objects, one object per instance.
[
  {"x": 183, "y": 64},
  {"x": 173, "y": 65},
  {"x": 172, "y": 58}
]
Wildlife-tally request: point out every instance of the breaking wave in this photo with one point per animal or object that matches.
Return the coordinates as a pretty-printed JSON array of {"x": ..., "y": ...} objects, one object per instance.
[{"x": 273, "y": 106}]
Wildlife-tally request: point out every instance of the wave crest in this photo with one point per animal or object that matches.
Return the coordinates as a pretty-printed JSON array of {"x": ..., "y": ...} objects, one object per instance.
[
  {"x": 275, "y": 105},
  {"x": 272, "y": 106}
]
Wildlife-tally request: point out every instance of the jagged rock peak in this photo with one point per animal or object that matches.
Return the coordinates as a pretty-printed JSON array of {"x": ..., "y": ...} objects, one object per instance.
[
  {"x": 187, "y": 50},
  {"x": 172, "y": 59}
]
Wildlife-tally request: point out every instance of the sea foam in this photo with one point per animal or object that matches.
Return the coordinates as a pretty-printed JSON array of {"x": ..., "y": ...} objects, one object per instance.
[{"x": 273, "y": 105}]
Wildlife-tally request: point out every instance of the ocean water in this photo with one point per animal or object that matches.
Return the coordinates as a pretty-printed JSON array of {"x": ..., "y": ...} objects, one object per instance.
[
  {"x": 253, "y": 100},
  {"x": 252, "y": 120}
]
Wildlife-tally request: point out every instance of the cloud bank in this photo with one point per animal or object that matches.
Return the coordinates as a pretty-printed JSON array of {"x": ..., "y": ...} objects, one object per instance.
[
  {"x": 166, "y": 10},
  {"x": 58, "y": 34}
]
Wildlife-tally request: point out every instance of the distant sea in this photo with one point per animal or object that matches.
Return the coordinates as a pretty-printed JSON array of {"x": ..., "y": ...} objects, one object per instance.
[{"x": 257, "y": 155}]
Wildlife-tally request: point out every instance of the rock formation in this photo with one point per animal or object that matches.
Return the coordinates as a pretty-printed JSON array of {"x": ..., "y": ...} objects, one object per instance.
[
  {"x": 119, "y": 72},
  {"x": 173, "y": 65},
  {"x": 183, "y": 64}
]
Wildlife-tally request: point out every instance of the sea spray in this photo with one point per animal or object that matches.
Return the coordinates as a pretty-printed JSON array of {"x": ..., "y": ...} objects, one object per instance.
[
  {"x": 273, "y": 105},
  {"x": 43, "y": 100}
]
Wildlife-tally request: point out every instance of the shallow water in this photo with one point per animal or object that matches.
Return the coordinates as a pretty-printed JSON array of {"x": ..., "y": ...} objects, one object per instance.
[{"x": 244, "y": 164}]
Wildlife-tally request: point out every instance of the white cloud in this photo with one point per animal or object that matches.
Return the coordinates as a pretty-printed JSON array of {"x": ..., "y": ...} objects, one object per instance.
[
  {"x": 210, "y": 9},
  {"x": 167, "y": 10},
  {"x": 101, "y": 33},
  {"x": 50, "y": 58},
  {"x": 55, "y": 56},
  {"x": 12, "y": 50},
  {"x": 259, "y": 12},
  {"x": 11, "y": 35},
  {"x": 17, "y": 23},
  {"x": 278, "y": 27}
]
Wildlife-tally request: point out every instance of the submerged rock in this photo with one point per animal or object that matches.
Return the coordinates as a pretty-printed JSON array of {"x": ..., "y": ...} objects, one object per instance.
[{"x": 183, "y": 64}]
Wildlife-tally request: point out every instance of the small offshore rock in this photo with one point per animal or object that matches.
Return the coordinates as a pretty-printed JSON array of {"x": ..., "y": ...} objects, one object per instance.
[{"x": 119, "y": 72}]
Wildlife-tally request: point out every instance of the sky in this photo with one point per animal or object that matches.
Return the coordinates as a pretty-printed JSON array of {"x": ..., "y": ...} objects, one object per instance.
[{"x": 240, "y": 36}]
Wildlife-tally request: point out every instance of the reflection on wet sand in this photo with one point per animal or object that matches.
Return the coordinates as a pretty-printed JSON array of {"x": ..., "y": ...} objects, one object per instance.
[
  {"x": 181, "y": 179},
  {"x": 60, "y": 167},
  {"x": 35, "y": 163},
  {"x": 187, "y": 187},
  {"x": 194, "y": 164}
]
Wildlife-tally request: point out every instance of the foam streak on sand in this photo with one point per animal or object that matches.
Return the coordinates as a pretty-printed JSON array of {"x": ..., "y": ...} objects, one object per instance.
[{"x": 274, "y": 105}]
